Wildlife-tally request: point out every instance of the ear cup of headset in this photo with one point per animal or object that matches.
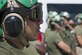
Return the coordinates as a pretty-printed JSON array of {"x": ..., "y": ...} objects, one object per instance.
[{"x": 13, "y": 24}]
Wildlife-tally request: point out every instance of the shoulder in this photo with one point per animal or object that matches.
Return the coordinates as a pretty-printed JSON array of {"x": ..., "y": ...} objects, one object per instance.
[
  {"x": 4, "y": 51},
  {"x": 47, "y": 30},
  {"x": 53, "y": 35},
  {"x": 7, "y": 49},
  {"x": 77, "y": 27}
]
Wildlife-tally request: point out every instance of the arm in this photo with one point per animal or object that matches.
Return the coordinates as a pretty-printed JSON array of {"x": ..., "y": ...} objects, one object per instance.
[
  {"x": 62, "y": 45},
  {"x": 65, "y": 48},
  {"x": 79, "y": 39}
]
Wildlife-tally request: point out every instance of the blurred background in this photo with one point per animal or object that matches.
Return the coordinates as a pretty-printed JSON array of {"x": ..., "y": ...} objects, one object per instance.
[{"x": 72, "y": 6}]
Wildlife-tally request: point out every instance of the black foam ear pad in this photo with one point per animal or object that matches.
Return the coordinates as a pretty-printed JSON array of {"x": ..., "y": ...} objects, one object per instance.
[{"x": 13, "y": 25}]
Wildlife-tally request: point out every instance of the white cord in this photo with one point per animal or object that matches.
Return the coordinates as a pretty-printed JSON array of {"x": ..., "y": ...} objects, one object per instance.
[{"x": 11, "y": 5}]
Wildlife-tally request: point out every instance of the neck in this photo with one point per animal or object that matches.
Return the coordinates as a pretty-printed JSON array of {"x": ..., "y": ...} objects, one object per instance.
[{"x": 15, "y": 42}]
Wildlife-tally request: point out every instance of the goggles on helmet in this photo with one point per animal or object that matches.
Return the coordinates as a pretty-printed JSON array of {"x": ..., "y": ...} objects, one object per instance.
[{"x": 34, "y": 13}]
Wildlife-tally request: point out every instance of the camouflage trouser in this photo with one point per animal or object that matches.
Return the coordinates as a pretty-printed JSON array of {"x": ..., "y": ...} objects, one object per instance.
[{"x": 79, "y": 50}]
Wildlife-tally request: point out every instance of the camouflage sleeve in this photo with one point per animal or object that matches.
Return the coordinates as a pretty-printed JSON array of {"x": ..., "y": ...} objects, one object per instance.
[
  {"x": 56, "y": 38},
  {"x": 77, "y": 31},
  {"x": 4, "y": 51}
]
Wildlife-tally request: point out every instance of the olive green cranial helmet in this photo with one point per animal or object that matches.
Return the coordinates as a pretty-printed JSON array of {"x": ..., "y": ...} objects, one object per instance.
[
  {"x": 1, "y": 32},
  {"x": 57, "y": 19},
  {"x": 65, "y": 14},
  {"x": 51, "y": 15},
  {"x": 27, "y": 8},
  {"x": 27, "y": 3},
  {"x": 79, "y": 18}
]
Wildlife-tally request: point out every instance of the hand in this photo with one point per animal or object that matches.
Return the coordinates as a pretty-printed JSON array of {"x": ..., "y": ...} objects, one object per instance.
[{"x": 40, "y": 48}]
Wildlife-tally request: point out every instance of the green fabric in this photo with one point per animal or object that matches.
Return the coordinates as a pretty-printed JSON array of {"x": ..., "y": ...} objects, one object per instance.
[
  {"x": 47, "y": 32},
  {"x": 27, "y": 3},
  {"x": 64, "y": 36},
  {"x": 6, "y": 49},
  {"x": 72, "y": 41},
  {"x": 68, "y": 39},
  {"x": 2, "y": 3},
  {"x": 31, "y": 50},
  {"x": 52, "y": 39},
  {"x": 1, "y": 32},
  {"x": 78, "y": 30}
]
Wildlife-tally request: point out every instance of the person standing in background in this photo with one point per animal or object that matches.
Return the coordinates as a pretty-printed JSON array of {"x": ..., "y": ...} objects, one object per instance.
[
  {"x": 67, "y": 31},
  {"x": 55, "y": 44},
  {"x": 78, "y": 34}
]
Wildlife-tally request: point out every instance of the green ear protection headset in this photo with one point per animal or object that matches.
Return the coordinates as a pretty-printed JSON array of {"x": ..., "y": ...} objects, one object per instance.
[{"x": 12, "y": 17}]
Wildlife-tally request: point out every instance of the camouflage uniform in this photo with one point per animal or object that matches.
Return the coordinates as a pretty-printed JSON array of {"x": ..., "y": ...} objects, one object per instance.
[
  {"x": 7, "y": 49},
  {"x": 53, "y": 38},
  {"x": 31, "y": 50},
  {"x": 71, "y": 40},
  {"x": 78, "y": 30}
]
